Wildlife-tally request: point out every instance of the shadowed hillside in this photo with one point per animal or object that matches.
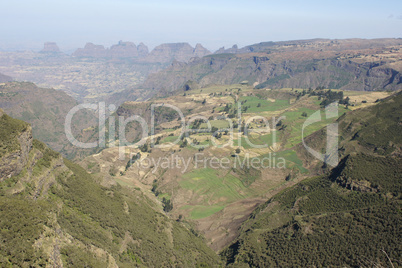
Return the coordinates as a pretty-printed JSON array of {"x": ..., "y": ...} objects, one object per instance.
[{"x": 46, "y": 110}]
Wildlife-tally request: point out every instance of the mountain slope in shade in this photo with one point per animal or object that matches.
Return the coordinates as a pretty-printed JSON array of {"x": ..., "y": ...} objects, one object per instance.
[{"x": 46, "y": 110}]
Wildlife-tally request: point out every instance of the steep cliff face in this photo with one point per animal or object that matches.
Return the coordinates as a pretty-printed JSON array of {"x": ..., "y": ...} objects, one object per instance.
[
  {"x": 15, "y": 145},
  {"x": 33, "y": 165},
  {"x": 350, "y": 64},
  {"x": 332, "y": 73},
  {"x": 178, "y": 74},
  {"x": 282, "y": 70}
]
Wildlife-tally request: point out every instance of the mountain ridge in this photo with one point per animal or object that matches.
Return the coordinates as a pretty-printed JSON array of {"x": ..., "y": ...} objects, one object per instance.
[
  {"x": 337, "y": 64},
  {"x": 163, "y": 53}
]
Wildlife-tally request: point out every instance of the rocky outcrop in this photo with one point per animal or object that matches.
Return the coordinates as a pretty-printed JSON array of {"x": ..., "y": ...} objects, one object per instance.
[
  {"x": 12, "y": 163},
  {"x": 233, "y": 49},
  {"x": 40, "y": 182},
  {"x": 337, "y": 74},
  {"x": 200, "y": 51},
  {"x": 36, "y": 165},
  {"x": 220, "y": 50},
  {"x": 360, "y": 186},
  {"x": 179, "y": 73},
  {"x": 50, "y": 47}
]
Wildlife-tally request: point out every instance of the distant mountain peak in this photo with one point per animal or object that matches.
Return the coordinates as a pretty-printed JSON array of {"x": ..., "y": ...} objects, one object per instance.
[
  {"x": 50, "y": 47},
  {"x": 142, "y": 50},
  {"x": 183, "y": 52},
  {"x": 122, "y": 49},
  {"x": 200, "y": 51},
  {"x": 90, "y": 45}
]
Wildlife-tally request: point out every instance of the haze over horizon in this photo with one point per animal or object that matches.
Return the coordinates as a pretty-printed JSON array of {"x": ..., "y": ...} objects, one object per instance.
[{"x": 28, "y": 24}]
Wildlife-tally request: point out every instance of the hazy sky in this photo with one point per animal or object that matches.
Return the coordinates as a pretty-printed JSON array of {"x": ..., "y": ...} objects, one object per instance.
[{"x": 26, "y": 24}]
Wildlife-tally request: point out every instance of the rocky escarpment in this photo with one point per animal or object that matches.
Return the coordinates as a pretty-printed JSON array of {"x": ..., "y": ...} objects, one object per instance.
[
  {"x": 350, "y": 64},
  {"x": 178, "y": 73},
  {"x": 282, "y": 70},
  {"x": 234, "y": 49},
  {"x": 33, "y": 165},
  {"x": 40, "y": 171},
  {"x": 334, "y": 73},
  {"x": 13, "y": 163},
  {"x": 15, "y": 146},
  {"x": 318, "y": 43}
]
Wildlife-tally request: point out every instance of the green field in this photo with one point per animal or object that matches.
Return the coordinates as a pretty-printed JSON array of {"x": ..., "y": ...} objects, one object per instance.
[
  {"x": 206, "y": 182},
  {"x": 199, "y": 212},
  {"x": 294, "y": 121},
  {"x": 292, "y": 160},
  {"x": 259, "y": 140},
  {"x": 216, "y": 123},
  {"x": 265, "y": 105},
  {"x": 169, "y": 139},
  {"x": 220, "y": 88},
  {"x": 297, "y": 115},
  {"x": 213, "y": 189},
  {"x": 123, "y": 183}
]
